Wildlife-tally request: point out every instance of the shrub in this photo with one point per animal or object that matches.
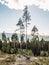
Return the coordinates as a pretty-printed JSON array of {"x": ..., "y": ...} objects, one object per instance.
[
  {"x": 19, "y": 51},
  {"x": 46, "y": 53},
  {"x": 30, "y": 53},
  {"x": 24, "y": 51},
  {"x": 12, "y": 51},
  {"x": 43, "y": 53}
]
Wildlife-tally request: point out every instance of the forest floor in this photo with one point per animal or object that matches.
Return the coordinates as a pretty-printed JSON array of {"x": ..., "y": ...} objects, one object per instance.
[{"x": 22, "y": 60}]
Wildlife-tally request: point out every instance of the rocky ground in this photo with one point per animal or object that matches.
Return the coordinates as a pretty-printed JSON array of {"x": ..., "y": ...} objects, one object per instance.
[{"x": 22, "y": 60}]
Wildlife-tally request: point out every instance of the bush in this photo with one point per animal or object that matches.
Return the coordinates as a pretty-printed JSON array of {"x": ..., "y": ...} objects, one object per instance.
[
  {"x": 19, "y": 51},
  {"x": 24, "y": 51},
  {"x": 46, "y": 53},
  {"x": 12, "y": 51},
  {"x": 43, "y": 53},
  {"x": 28, "y": 52}
]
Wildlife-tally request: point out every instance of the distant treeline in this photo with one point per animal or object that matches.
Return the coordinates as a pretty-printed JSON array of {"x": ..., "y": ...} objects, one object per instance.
[{"x": 37, "y": 48}]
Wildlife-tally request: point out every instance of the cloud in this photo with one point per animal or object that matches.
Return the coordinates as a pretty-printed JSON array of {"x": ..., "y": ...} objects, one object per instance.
[{"x": 19, "y": 4}]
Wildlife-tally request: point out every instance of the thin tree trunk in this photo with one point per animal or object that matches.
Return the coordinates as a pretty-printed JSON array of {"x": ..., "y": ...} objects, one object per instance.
[
  {"x": 26, "y": 34},
  {"x": 20, "y": 38},
  {"x": 48, "y": 48}
]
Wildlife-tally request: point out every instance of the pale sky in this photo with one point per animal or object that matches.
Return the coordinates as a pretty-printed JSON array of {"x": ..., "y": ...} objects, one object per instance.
[{"x": 12, "y": 10}]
